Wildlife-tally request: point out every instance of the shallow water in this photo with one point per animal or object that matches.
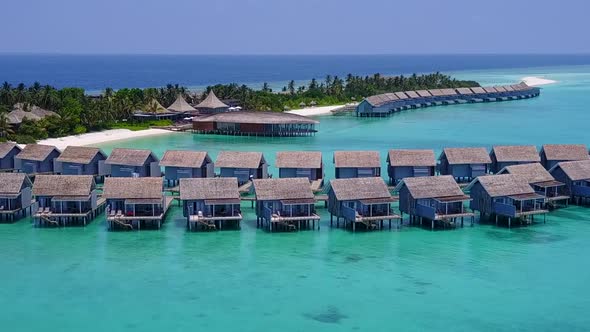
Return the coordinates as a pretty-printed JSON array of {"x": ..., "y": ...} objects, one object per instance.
[{"x": 480, "y": 278}]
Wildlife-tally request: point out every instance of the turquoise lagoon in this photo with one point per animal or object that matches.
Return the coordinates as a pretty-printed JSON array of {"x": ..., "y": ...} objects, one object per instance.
[{"x": 480, "y": 278}]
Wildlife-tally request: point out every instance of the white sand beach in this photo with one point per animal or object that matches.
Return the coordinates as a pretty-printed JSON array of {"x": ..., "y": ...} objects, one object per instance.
[
  {"x": 536, "y": 81},
  {"x": 313, "y": 111},
  {"x": 101, "y": 137}
]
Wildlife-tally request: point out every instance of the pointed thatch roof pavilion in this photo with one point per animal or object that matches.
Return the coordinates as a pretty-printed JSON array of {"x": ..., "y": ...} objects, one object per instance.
[
  {"x": 180, "y": 106},
  {"x": 212, "y": 104},
  {"x": 34, "y": 113}
]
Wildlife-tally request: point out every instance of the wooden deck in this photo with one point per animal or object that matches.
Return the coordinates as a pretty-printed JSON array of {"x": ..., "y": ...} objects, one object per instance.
[
  {"x": 277, "y": 218},
  {"x": 453, "y": 216},
  {"x": 68, "y": 218},
  {"x": 245, "y": 188}
]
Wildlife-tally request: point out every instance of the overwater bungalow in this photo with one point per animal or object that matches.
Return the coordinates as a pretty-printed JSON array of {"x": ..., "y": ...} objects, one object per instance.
[
  {"x": 435, "y": 198},
  {"x": 246, "y": 123},
  {"x": 491, "y": 93},
  {"x": 501, "y": 92},
  {"x": 415, "y": 100},
  {"x": 466, "y": 94},
  {"x": 286, "y": 204},
  {"x": 302, "y": 164},
  {"x": 404, "y": 102},
  {"x": 210, "y": 203},
  {"x": 36, "y": 159},
  {"x": 8, "y": 151},
  {"x": 186, "y": 164},
  {"x": 132, "y": 163},
  {"x": 357, "y": 164},
  {"x": 576, "y": 176},
  {"x": 15, "y": 196},
  {"x": 212, "y": 104},
  {"x": 541, "y": 180},
  {"x": 507, "y": 155},
  {"x": 377, "y": 105},
  {"x": 364, "y": 202},
  {"x": 180, "y": 106},
  {"x": 506, "y": 195},
  {"x": 552, "y": 154},
  {"x": 510, "y": 92},
  {"x": 450, "y": 96},
  {"x": 464, "y": 164},
  {"x": 425, "y": 97},
  {"x": 135, "y": 203},
  {"x": 409, "y": 163},
  {"x": 244, "y": 166},
  {"x": 64, "y": 200},
  {"x": 437, "y": 96},
  {"x": 479, "y": 93},
  {"x": 80, "y": 160}
]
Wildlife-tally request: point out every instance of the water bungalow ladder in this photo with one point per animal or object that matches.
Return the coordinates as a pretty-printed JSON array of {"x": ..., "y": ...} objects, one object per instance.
[
  {"x": 122, "y": 223},
  {"x": 206, "y": 224},
  {"x": 49, "y": 220},
  {"x": 289, "y": 226},
  {"x": 368, "y": 224}
]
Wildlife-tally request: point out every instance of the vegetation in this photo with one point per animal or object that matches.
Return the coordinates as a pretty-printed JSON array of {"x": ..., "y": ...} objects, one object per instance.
[
  {"x": 79, "y": 113},
  {"x": 333, "y": 90}
]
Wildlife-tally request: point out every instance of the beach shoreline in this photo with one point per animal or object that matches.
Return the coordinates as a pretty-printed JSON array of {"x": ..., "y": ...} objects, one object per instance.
[
  {"x": 100, "y": 137},
  {"x": 315, "y": 111},
  {"x": 537, "y": 81}
]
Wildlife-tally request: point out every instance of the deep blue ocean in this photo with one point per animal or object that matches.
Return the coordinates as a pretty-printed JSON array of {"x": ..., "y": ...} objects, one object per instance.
[{"x": 97, "y": 72}]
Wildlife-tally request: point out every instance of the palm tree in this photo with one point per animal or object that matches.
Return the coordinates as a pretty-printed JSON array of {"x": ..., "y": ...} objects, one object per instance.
[{"x": 5, "y": 127}]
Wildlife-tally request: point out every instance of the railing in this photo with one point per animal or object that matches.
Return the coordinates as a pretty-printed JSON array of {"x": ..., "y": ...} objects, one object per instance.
[{"x": 504, "y": 209}]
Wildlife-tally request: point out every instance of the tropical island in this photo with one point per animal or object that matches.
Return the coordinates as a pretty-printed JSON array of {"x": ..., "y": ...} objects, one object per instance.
[{"x": 31, "y": 113}]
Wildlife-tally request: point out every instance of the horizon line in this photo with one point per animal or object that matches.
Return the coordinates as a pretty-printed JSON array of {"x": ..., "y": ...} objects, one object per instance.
[{"x": 293, "y": 54}]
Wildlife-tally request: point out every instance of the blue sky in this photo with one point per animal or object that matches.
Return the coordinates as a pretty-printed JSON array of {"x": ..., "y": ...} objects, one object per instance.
[{"x": 294, "y": 27}]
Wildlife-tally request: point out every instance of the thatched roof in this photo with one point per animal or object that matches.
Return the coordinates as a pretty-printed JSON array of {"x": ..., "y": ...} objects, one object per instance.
[
  {"x": 11, "y": 183},
  {"x": 129, "y": 157},
  {"x": 411, "y": 158},
  {"x": 180, "y": 105},
  {"x": 283, "y": 189},
  {"x": 565, "y": 152},
  {"x": 36, "y": 152},
  {"x": 154, "y": 105},
  {"x": 133, "y": 188},
  {"x": 357, "y": 159},
  {"x": 257, "y": 117},
  {"x": 575, "y": 170},
  {"x": 360, "y": 189},
  {"x": 532, "y": 172},
  {"x": 460, "y": 156},
  {"x": 508, "y": 88},
  {"x": 209, "y": 189},
  {"x": 500, "y": 88},
  {"x": 489, "y": 89},
  {"x": 503, "y": 185},
  {"x": 212, "y": 102},
  {"x": 6, "y": 147},
  {"x": 237, "y": 159},
  {"x": 431, "y": 187},
  {"x": 520, "y": 153},
  {"x": 179, "y": 158},
  {"x": 478, "y": 89},
  {"x": 299, "y": 159},
  {"x": 382, "y": 99},
  {"x": 63, "y": 185},
  {"x": 412, "y": 94},
  {"x": 34, "y": 113},
  {"x": 79, "y": 154},
  {"x": 465, "y": 91}
]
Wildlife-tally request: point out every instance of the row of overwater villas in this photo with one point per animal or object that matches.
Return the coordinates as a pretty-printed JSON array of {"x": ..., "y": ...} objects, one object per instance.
[
  {"x": 387, "y": 103},
  {"x": 521, "y": 189}
]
